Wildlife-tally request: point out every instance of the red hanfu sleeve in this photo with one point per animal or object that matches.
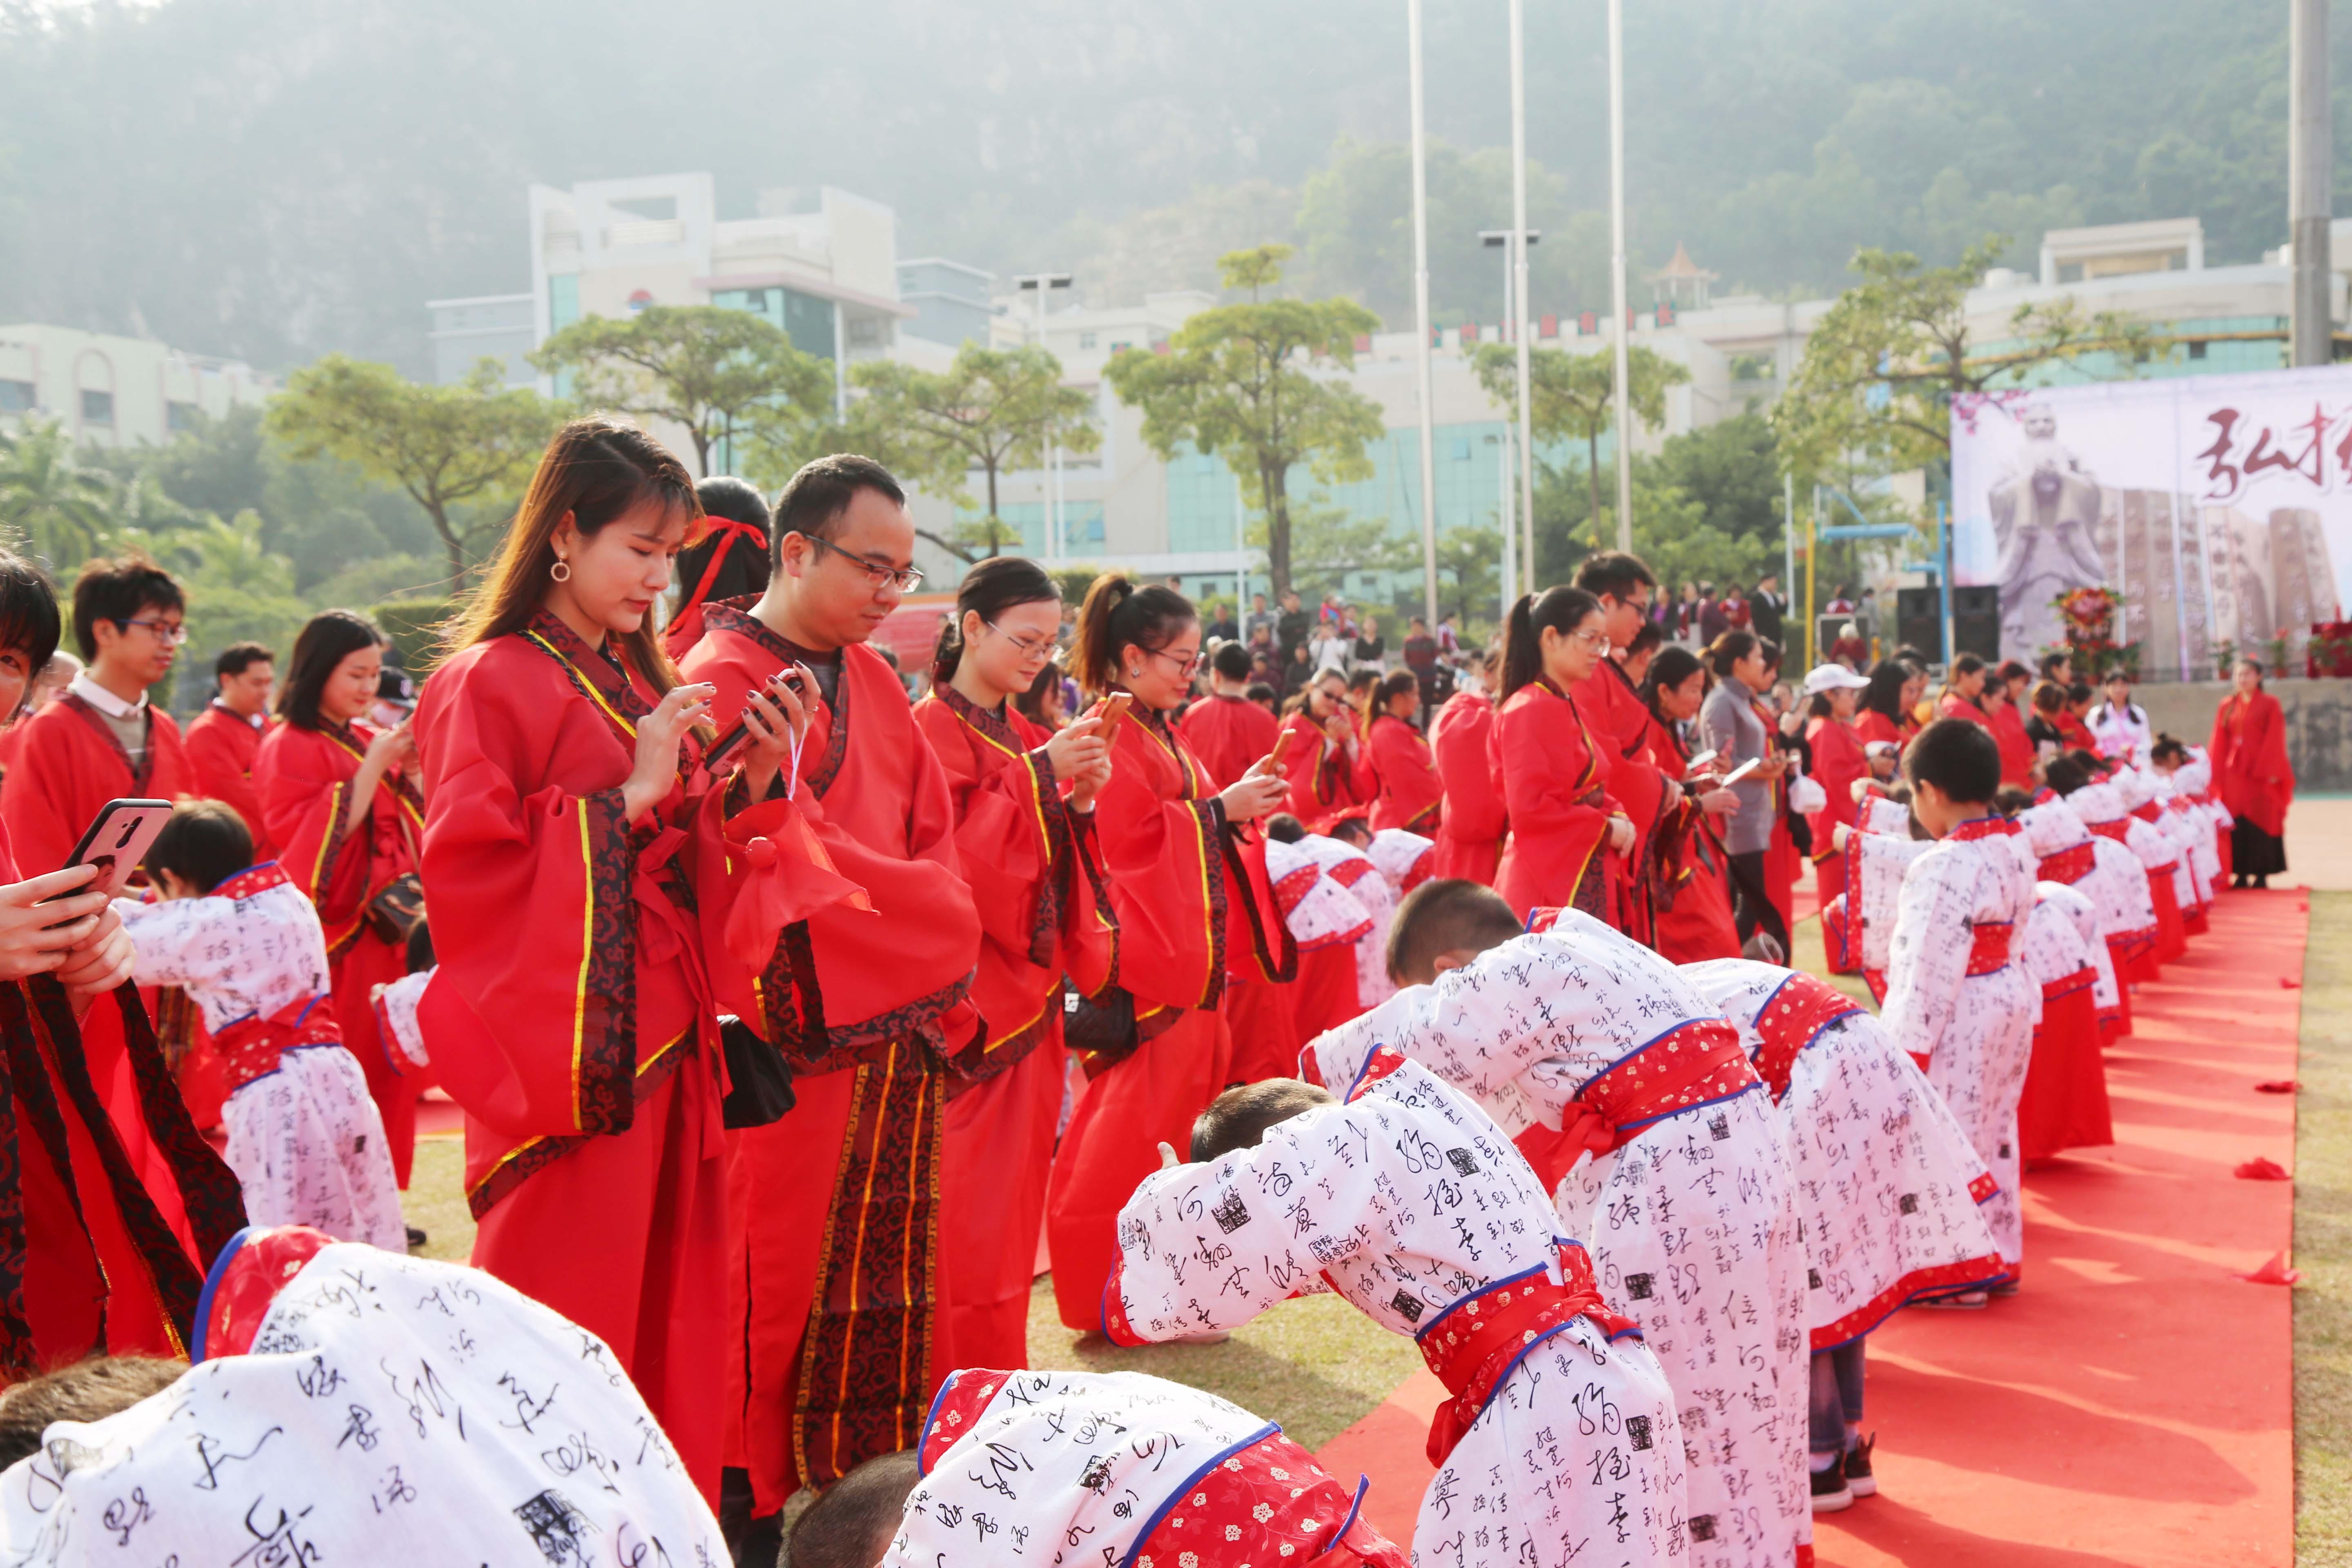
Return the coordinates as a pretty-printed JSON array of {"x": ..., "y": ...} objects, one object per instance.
[
  {"x": 1554, "y": 786},
  {"x": 305, "y": 778},
  {"x": 533, "y": 910},
  {"x": 1163, "y": 859},
  {"x": 1411, "y": 791}
]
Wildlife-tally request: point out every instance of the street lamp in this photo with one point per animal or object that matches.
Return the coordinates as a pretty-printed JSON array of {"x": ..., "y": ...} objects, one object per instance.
[
  {"x": 1045, "y": 283},
  {"x": 1515, "y": 323}
]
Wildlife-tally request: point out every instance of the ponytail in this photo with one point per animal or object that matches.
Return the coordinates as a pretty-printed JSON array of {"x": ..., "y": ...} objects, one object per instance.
[
  {"x": 1559, "y": 609},
  {"x": 1116, "y": 613},
  {"x": 988, "y": 590}
]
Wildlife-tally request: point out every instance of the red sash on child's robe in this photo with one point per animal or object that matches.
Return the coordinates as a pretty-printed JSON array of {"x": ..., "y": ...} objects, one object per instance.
[
  {"x": 1619, "y": 722},
  {"x": 1190, "y": 902},
  {"x": 1325, "y": 779},
  {"x": 835, "y": 1209},
  {"x": 1688, "y": 871},
  {"x": 70, "y": 765},
  {"x": 1554, "y": 779},
  {"x": 305, "y": 777},
  {"x": 1470, "y": 833},
  {"x": 1229, "y": 735},
  {"x": 1030, "y": 863},
  {"x": 1412, "y": 794}
]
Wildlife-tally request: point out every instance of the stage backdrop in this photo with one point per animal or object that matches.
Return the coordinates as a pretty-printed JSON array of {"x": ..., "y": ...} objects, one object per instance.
[{"x": 2219, "y": 506}]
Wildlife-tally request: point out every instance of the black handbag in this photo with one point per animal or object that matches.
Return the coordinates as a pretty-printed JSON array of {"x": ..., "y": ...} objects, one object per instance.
[
  {"x": 1101, "y": 1025},
  {"x": 398, "y": 909},
  {"x": 759, "y": 1084}
]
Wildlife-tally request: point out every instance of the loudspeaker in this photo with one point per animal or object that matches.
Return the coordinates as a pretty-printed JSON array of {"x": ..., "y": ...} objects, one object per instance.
[{"x": 1976, "y": 621}]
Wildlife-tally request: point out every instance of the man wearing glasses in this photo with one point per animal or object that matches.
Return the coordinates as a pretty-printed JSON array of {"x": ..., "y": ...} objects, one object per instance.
[
  {"x": 840, "y": 1277},
  {"x": 103, "y": 740},
  {"x": 1620, "y": 721}
]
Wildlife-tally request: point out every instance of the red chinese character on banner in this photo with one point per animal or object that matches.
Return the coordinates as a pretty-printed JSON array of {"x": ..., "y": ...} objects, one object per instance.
[
  {"x": 2223, "y": 475},
  {"x": 2310, "y": 463}
]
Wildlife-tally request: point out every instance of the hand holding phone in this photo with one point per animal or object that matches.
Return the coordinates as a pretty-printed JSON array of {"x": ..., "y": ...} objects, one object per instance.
[
  {"x": 794, "y": 678},
  {"x": 117, "y": 841},
  {"x": 1112, "y": 712},
  {"x": 1741, "y": 772},
  {"x": 1698, "y": 763},
  {"x": 1275, "y": 758}
]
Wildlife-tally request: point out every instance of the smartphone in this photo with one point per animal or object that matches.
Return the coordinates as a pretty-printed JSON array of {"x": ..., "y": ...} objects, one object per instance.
[
  {"x": 1741, "y": 772},
  {"x": 1281, "y": 749},
  {"x": 117, "y": 840},
  {"x": 1695, "y": 763},
  {"x": 794, "y": 676},
  {"x": 1112, "y": 711}
]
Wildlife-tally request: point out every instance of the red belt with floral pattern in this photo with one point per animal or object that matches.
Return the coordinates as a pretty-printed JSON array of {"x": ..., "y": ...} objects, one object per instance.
[
  {"x": 250, "y": 1047},
  {"x": 1474, "y": 1344},
  {"x": 1692, "y": 1064},
  {"x": 1987, "y": 951}
]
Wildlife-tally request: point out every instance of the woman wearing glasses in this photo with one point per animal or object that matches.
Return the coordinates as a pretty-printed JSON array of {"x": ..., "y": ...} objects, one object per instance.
[
  {"x": 339, "y": 799},
  {"x": 1191, "y": 902},
  {"x": 1025, "y": 803},
  {"x": 1329, "y": 767},
  {"x": 1568, "y": 835}
]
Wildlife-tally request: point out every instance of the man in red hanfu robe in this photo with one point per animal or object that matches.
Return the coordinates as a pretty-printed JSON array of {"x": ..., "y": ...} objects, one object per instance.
[
  {"x": 833, "y": 1211},
  {"x": 103, "y": 741},
  {"x": 1470, "y": 834},
  {"x": 1225, "y": 729},
  {"x": 223, "y": 740},
  {"x": 1620, "y": 720}
]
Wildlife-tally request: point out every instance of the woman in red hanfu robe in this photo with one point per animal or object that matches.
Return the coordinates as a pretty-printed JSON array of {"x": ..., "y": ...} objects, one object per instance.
[
  {"x": 2254, "y": 776},
  {"x": 2002, "y": 697},
  {"x": 581, "y": 902},
  {"x": 89, "y": 1259},
  {"x": 1568, "y": 835},
  {"x": 1189, "y": 903},
  {"x": 337, "y": 798},
  {"x": 1030, "y": 859},
  {"x": 1838, "y": 761},
  {"x": 1470, "y": 831},
  {"x": 1330, "y": 768},
  {"x": 1687, "y": 867},
  {"x": 1412, "y": 796},
  {"x": 840, "y": 1271},
  {"x": 1885, "y": 713}
]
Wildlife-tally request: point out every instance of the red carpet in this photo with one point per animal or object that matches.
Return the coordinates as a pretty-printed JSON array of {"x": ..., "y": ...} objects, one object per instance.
[{"x": 2133, "y": 1406}]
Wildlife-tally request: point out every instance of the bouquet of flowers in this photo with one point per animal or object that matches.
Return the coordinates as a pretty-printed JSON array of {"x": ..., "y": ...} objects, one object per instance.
[
  {"x": 2329, "y": 651},
  {"x": 2092, "y": 617}
]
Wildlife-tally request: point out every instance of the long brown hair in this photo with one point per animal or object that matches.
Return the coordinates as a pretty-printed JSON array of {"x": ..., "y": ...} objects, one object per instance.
[{"x": 595, "y": 470}]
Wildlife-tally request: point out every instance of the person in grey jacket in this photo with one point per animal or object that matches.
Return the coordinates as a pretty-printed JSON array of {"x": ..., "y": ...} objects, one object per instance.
[{"x": 1732, "y": 724}]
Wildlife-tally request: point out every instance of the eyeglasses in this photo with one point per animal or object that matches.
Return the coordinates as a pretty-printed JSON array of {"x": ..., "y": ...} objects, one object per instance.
[
  {"x": 906, "y": 578},
  {"x": 1028, "y": 648},
  {"x": 1597, "y": 641},
  {"x": 1184, "y": 666},
  {"x": 172, "y": 633}
]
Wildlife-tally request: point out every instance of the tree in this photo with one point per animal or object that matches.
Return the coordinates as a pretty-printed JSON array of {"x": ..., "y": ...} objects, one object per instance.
[
  {"x": 991, "y": 410},
  {"x": 444, "y": 445},
  {"x": 1235, "y": 381},
  {"x": 1574, "y": 396},
  {"x": 703, "y": 366},
  {"x": 1327, "y": 543},
  {"x": 1884, "y": 361},
  {"x": 49, "y": 499},
  {"x": 1470, "y": 561}
]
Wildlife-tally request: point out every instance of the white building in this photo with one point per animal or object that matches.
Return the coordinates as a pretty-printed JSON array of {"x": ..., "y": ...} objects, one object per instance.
[{"x": 115, "y": 391}]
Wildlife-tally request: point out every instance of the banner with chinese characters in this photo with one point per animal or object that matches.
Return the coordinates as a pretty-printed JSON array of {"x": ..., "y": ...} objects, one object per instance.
[{"x": 2220, "y": 507}]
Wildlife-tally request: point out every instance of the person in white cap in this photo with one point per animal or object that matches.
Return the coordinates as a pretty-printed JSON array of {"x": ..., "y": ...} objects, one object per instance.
[{"x": 1832, "y": 692}]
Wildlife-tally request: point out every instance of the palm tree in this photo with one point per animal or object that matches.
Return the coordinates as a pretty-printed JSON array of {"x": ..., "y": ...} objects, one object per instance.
[{"x": 49, "y": 499}]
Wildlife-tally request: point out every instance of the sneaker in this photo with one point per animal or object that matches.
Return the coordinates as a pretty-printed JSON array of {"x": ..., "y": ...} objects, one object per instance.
[
  {"x": 416, "y": 1238},
  {"x": 1967, "y": 1301},
  {"x": 1858, "y": 1478},
  {"x": 1831, "y": 1493}
]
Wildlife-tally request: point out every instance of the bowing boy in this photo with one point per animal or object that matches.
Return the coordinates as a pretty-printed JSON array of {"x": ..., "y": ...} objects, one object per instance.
[{"x": 1560, "y": 1438}]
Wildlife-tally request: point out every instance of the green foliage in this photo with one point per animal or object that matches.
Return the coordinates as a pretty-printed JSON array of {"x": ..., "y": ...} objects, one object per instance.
[
  {"x": 1327, "y": 542},
  {"x": 1470, "y": 573},
  {"x": 1572, "y": 396},
  {"x": 50, "y": 500},
  {"x": 720, "y": 373},
  {"x": 414, "y": 626},
  {"x": 991, "y": 410},
  {"x": 444, "y": 445},
  {"x": 1235, "y": 381},
  {"x": 1884, "y": 364},
  {"x": 1706, "y": 508}
]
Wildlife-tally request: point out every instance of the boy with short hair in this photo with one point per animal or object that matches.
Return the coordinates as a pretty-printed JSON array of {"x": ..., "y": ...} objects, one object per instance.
[
  {"x": 1645, "y": 1117},
  {"x": 1411, "y": 1203},
  {"x": 1955, "y": 997},
  {"x": 304, "y": 1138}
]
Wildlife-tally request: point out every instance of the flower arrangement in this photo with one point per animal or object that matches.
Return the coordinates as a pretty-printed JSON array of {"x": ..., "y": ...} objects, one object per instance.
[
  {"x": 2091, "y": 617},
  {"x": 2329, "y": 651}
]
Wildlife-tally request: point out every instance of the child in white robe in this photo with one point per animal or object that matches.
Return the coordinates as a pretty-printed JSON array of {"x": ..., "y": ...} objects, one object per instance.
[
  {"x": 1346, "y": 856},
  {"x": 1404, "y": 857},
  {"x": 1887, "y": 1186},
  {"x": 1560, "y": 1443},
  {"x": 1101, "y": 1467},
  {"x": 1955, "y": 999},
  {"x": 1640, "y": 1110},
  {"x": 2066, "y": 852},
  {"x": 304, "y": 1138}
]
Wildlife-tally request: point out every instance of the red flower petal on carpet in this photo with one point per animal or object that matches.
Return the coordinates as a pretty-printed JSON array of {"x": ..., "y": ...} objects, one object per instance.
[
  {"x": 2274, "y": 1272},
  {"x": 2275, "y": 1085},
  {"x": 2287, "y": 983},
  {"x": 2261, "y": 1170}
]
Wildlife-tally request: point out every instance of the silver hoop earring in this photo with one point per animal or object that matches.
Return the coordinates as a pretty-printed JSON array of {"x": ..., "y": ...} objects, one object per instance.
[{"x": 561, "y": 571}]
